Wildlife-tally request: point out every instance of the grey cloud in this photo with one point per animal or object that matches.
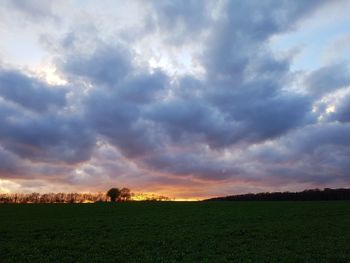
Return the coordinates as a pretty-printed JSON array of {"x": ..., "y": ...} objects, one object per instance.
[
  {"x": 122, "y": 125},
  {"x": 142, "y": 88},
  {"x": 206, "y": 127},
  {"x": 114, "y": 107},
  {"x": 30, "y": 92},
  {"x": 182, "y": 20},
  {"x": 35, "y": 10},
  {"x": 9, "y": 164},
  {"x": 112, "y": 67},
  {"x": 264, "y": 111},
  {"x": 190, "y": 121},
  {"x": 246, "y": 82},
  {"x": 328, "y": 79},
  {"x": 244, "y": 97},
  {"x": 262, "y": 19},
  {"x": 45, "y": 137},
  {"x": 310, "y": 139},
  {"x": 246, "y": 87},
  {"x": 243, "y": 30},
  {"x": 198, "y": 164},
  {"x": 48, "y": 138},
  {"x": 191, "y": 13},
  {"x": 15, "y": 167},
  {"x": 107, "y": 65},
  {"x": 342, "y": 113},
  {"x": 116, "y": 120},
  {"x": 315, "y": 154},
  {"x": 224, "y": 116}
]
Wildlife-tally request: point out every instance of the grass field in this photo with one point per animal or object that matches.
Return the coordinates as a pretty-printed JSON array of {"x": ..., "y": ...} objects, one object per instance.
[{"x": 176, "y": 232}]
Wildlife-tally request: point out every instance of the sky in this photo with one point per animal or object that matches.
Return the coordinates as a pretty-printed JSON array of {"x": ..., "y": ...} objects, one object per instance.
[{"x": 189, "y": 98}]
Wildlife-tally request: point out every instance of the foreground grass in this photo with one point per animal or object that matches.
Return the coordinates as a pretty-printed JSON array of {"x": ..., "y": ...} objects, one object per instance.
[{"x": 176, "y": 232}]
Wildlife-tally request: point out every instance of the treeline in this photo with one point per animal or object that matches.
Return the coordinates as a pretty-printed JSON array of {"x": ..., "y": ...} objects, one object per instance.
[
  {"x": 37, "y": 198},
  {"x": 306, "y": 195}
]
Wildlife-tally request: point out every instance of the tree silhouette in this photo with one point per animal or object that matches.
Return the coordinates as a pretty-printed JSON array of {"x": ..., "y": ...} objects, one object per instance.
[
  {"x": 125, "y": 194},
  {"x": 113, "y": 194},
  {"x": 306, "y": 195}
]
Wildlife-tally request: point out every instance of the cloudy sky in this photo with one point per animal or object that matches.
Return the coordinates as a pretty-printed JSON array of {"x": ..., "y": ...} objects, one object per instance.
[{"x": 189, "y": 99}]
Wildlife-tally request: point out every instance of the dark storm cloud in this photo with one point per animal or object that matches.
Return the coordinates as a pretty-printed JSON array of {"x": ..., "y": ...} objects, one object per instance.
[{"x": 29, "y": 92}]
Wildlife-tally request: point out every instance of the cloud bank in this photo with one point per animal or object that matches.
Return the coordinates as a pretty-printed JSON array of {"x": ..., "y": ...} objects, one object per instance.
[{"x": 240, "y": 119}]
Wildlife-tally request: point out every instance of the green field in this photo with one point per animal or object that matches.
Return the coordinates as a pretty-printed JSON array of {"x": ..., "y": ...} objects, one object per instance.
[{"x": 176, "y": 232}]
